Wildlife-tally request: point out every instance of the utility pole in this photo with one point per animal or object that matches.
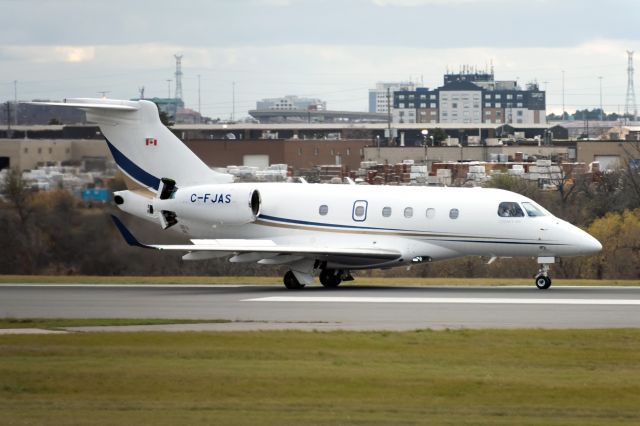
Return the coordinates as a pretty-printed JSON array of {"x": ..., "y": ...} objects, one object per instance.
[
  {"x": 563, "y": 94},
  {"x": 389, "y": 115},
  {"x": 8, "y": 119},
  {"x": 15, "y": 100},
  {"x": 199, "y": 105},
  {"x": 233, "y": 100},
  {"x": 601, "y": 112}
]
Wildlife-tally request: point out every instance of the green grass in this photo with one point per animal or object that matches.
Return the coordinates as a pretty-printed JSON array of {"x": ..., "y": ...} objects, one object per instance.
[
  {"x": 493, "y": 377},
  {"x": 400, "y": 281},
  {"x": 57, "y": 323}
]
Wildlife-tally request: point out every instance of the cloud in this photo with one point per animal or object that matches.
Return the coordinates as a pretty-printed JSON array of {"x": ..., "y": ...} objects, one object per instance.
[
  {"x": 416, "y": 3},
  {"x": 48, "y": 54}
]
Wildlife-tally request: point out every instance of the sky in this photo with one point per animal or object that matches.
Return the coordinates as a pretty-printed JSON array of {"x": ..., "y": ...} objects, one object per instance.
[{"x": 334, "y": 50}]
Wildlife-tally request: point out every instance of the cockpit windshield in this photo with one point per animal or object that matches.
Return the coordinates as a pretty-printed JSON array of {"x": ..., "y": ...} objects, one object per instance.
[
  {"x": 510, "y": 209},
  {"x": 532, "y": 210}
]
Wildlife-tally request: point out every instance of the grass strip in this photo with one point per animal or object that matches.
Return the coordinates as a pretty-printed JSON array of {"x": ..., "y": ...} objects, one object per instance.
[
  {"x": 401, "y": 281},
  {"x": 479, "y": 377},
  {"x": 57, "y": 323}
]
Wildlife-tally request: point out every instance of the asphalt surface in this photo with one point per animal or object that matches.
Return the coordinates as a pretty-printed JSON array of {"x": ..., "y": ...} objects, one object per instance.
[{"x": 355, "y": 307}]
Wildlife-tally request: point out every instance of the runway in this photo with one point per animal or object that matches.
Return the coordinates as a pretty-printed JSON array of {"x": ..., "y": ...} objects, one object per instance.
[{"x": 355, "y": 307}]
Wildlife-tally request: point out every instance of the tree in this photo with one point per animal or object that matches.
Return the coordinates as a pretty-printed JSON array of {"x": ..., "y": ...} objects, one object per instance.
[
  {"x": 439, "y": 135},
  {"x": 17, "y": 194}
]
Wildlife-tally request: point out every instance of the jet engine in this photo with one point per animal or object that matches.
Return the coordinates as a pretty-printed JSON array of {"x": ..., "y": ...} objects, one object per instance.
[{"x": 228, "y": 204}]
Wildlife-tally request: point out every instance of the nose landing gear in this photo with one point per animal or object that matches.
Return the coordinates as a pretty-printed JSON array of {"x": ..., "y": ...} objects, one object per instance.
[{"x": 542, "y": 278}]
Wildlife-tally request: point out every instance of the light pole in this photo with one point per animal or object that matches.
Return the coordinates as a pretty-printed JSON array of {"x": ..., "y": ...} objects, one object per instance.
[{"x": 425, "y": 135}]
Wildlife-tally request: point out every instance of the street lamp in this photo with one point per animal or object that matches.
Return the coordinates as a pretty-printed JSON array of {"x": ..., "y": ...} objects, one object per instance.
[{"x": 425, "y": 135}]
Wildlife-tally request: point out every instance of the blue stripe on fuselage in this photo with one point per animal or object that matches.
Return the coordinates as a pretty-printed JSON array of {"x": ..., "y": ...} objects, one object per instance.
[
  {"x": 133, "y": 169},
  {"x": 448, "y": 238}
]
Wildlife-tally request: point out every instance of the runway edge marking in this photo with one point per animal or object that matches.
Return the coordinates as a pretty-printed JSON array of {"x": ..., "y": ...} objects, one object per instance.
[{"x": 444, "y": 300}]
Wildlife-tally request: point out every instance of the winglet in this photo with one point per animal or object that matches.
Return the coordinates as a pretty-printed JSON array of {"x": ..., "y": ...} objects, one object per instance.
[{"x": 126, "y": 234}]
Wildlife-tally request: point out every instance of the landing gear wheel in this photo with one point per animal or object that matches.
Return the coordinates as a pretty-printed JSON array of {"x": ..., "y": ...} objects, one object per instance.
[
  {"x": 330, "y": 278},
  {"x": 543, "y": 282},
  {"x": 291, "y": 282}
]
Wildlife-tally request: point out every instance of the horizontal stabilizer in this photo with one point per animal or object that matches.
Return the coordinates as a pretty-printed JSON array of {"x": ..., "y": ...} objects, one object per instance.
[
  {"x": 106, "y": 104},
  {"x": 126, "y": 234}
]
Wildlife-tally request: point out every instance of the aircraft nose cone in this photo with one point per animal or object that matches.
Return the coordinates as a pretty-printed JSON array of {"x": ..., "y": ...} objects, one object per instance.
[{"x": 591, "y": 245}]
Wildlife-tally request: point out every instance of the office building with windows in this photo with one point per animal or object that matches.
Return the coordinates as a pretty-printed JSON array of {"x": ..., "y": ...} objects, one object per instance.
[{"x": 471, "y": 98}]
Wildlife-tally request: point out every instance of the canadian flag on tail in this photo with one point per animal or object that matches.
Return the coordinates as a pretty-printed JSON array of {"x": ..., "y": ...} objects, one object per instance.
[{"x": 151, "y": 141}]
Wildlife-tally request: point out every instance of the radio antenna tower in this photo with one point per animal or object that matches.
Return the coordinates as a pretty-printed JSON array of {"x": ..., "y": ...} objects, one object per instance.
[
  {"x": 630, "y": 108},
  {"x": 178, "y": 76}
]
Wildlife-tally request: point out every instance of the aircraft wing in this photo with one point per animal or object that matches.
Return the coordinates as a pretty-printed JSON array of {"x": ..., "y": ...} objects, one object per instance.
[{"x": 265, "y": 250}]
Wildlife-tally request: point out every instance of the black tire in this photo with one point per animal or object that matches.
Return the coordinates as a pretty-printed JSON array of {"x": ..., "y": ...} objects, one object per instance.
[
  {"x": 543, "y": 282},
  {"x": 330, "y": 278},
  {"x": 291, "y": 282}
]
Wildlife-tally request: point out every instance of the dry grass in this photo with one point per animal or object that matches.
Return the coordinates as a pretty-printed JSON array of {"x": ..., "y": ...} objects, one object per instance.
[{"x": 504, "y": 377}]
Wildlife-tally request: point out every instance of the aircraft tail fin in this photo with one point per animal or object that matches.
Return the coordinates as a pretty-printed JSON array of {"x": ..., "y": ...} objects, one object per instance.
[{"x": 142, "y": 147}]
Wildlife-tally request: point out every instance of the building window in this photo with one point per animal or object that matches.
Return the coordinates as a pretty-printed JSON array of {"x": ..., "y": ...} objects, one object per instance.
[
  {"x": 423, "y": 96},
  {"x": 26, "y": 150},
  {"x": 454, "y": 105},
  {"x": 454, "y": 213},
  {"x": 299, "y": 151},
  {"x": 386, "y": 211},
  {"x": 333, "y": 152},
  {"x": 498, "y": 105},
  {"x": 519, "y": 113},
  {"x": 316, "y": 151},
  {"x": 432, "y": 97},
  {"x": 408, "y": 212},
  {"x": 423, "y": 105},
  {"x": 348, "y": 152},
  {"x": 487, "y": 104},
  {"x": 412, "y": 105},
  {"x": 401, "y": 105},
  {"x": 431, "y": 213},
  {"x": 39, "y": 150},
  {"x": 323, "y": 210},
  {"x": 400, "y": 96},
  {"x": 433, "y": 113},
  {"x": 509, "y": 96},
  {"x": 519, "y": 104},
  {"x": 487, "y": 96},
  {"x": 433, "y": 105},
  {"x": 498, "y": 96}
]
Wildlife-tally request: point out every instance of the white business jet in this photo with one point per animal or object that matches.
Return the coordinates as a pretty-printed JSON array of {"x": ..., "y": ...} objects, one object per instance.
[{"x": 315, "y": 229}]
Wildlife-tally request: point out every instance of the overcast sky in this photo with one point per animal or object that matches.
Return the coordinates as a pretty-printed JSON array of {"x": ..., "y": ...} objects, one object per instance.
[{"x": 332, "y": 49}]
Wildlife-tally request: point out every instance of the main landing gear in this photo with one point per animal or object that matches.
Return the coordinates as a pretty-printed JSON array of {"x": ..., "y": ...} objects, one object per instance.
[
  {"x": 329, "y": 278},
  {"x": 543, "y": 280},
  {"x": 291, "y": 282}
]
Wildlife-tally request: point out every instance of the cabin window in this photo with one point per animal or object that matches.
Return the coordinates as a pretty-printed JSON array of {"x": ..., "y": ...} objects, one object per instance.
[
  {"x": 510, "y": 209},
  {"x": 386, "y": 212},
  {"x": 454, "y": 213},
  {"x": 431, "y": 213},
  {"x": 532, "y": 210},
  {"x": 408, "y": 212},
  {"x": 323, "y": 210}
]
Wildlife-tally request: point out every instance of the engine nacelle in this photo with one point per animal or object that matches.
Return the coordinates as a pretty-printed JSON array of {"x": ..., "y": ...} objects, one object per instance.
[{"x": 230, "y": 204}]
